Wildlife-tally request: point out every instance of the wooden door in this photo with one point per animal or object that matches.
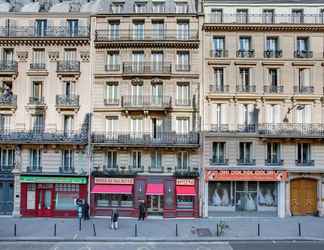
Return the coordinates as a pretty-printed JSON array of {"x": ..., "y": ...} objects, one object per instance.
[{"x": 303, "y": 196}]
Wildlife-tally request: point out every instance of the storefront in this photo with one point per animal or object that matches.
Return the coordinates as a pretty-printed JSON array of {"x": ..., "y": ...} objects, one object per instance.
[
  {"x": 51, "y": 196},
  {"x": 244, "y": 192},
  {"x": 163, "y": 196},
  {"x": 6, "y": 194}
]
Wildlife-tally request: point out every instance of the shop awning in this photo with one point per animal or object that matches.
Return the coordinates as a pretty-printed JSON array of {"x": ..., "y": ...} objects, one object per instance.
[
  {"x": 186, "y": 190},
  {"x": 154, "y": 189},
  {"x": 112, "y": 189}
]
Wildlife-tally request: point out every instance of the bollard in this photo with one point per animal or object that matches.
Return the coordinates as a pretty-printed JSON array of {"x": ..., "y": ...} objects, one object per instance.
[
  {"x": 15, "y": 230},
  {"x": 94, "y": 230},
  {"x": 217, "y": 230},
  {"x": 176, "y": 230},
  {"x": 259, "y": 229},
  {"x": 55, "y": 230},
  {"x": 79, "y": 224},
  {"x": 135, "y": 230},
  {"x": 299, "y": 229}
]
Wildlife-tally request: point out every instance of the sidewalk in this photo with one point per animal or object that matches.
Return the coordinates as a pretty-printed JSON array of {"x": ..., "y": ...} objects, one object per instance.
[{"x": 163, "y": 229}]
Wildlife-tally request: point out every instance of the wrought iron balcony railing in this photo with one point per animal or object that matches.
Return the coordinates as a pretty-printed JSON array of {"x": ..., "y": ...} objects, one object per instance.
[
  {"x": 245, "y": 161},
  {"x": 48, "y": 32},
  {"x": 122, "y": 170},
  {"x": 291, "y": 130},
  {"x": 156, "y": 169},
  {"x": 146, "y": 102},
  {"x": 8, "y": 66},
  {"x": 34, "y": 169},
  {"x": 67, "y": 101},
  {"x": 186, "y": 171},
  {"x": 218, "y": 161},
  {"x": 272, "y": 53},
  {"x": 150, "y": 139},
  {"x": 246, "y": 88},
  {"x": 273, "y": 89},
  {"x": 182, "y": 67},
  {"x": 305, "y": 163},
  {"x": 303, "y": 89},
  {"x": 37, "y": 100},
  {"x": 213, "y": 88},
  {"x": 8, "y": 101},
  {"x": 110, "y": 101},
  {"x": 146, "y": 35},
  {"x": 146, "y": 68},
  {"x": 6, "y": 168},
  {"x": 303, "y": 54},
  {"x": 185, "y": 102},
  {"x": 219, "y": 53},
  {"x": 264, "y": 18},
  {"x": 112, "y": 67},
  {"x": 273, "y": 162},
  {"x": 136, "y": 168},
  {"x": 66, "y": 170},
  {"x": 245, "y": 53},
  {"x": 38, "y": 66},
  {"x": 68, "y": 66}
]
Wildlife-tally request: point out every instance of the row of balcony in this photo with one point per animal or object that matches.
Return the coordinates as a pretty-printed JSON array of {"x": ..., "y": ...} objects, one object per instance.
[
  {"x": 45, "y": 32},
  {"x": 221, "y": 161},
  {"x": 221, "y": 53},
  {"x": 274, "y": 89},
  {"x": 264, "y": 18},
  {"x": 158, "y": 35}
]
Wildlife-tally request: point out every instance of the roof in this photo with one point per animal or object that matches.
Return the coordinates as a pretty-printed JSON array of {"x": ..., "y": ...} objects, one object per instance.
[{"x": 268, "y": 1}]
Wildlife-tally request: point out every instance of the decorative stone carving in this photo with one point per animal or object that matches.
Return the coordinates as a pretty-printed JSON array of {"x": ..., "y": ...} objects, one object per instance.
[
  {"x": 53, "y": 56},
  {"x": 22, "y": 56},
  {"x": 85, "y": 56},
  {"x": 137, "y": 81},
  {"x": 156, "y": 81}
]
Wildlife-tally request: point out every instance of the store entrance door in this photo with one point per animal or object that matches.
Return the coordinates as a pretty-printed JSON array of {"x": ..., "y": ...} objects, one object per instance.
[
  {"x": 155, "y": 204},
  {"x": 303, "y": 196},
  {"x": 44, "y": 202}
]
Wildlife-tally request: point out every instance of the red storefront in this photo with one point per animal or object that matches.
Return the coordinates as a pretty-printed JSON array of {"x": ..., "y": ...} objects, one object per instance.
[
  {"x": 166, "y": 196},
  {"x": 51, "y": 196}
]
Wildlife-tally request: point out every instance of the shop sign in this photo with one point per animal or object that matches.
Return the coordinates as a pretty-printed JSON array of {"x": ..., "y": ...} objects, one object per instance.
[
  {"x": 246, "y": 175},
  {"x": 185, "y": 182},
  {"x": 50, "y": 179},
  {"x": 127, "y": 181}
]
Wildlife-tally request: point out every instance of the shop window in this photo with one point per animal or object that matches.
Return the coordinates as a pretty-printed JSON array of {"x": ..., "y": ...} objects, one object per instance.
[
  {"x": 185, "y": 202},
  {"x": 31, "y": 188},
  {"x": 114, "y": 200},
  {"x": 246, "y": 196},
  {"x": 65, "y": 197},
  {"x": 267, "y": 196},
  {"x": 219, "y": 194}
]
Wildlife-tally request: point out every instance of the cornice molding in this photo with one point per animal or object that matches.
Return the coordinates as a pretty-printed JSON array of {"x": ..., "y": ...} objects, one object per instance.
[
  {"x": 44, "y": 42},
  {"x": 147, "y": 44}
]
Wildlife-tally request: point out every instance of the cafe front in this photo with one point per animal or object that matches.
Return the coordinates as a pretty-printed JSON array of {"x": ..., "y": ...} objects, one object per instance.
[
  {"x": 245, "y": 192},
  {"x": 51, "y": 196}
]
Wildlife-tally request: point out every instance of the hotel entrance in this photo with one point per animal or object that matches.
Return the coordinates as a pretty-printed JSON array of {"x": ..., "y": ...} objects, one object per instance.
[{"x": 155, "y": 204}]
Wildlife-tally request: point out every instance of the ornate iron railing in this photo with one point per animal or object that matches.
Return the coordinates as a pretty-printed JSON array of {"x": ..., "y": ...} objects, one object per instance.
[
  {"x": 303, "y": 89},
  {"x": 218, "y": 53},
  {"x": 8, "y": 66},
  {"x": 67, "y": 101},
  {"x": 37, "y": 66},
  {"x": 147, "y": 102},
  {"x": 112, "y": 67},
  {"x": 182, "y": 67},
  {"x": 37, "y": 100},
  {"x": 277, "y": 89},
  {"x": 213, "y": 88},
  {"x": 246, "y": 88},
  {"x": 6, "y": 168},
  {"x": 216, "y": 161},
  {"x": 245, "y": 53},
  {"x": 146, "y": 68},
  {"x": 303, "y": 54},
  {"x": 272, "y": 53},
  {"x": 305, "y": 163},
  {"x": 273, "y": 162},
  {"x": 8, "y": 100},
  {"x": 243, "y": 161},
  {"x": 68, "y": 66}
]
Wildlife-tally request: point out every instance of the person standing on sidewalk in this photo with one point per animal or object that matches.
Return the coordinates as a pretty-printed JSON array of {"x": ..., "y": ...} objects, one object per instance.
[
  {"x": 86, "y": 211},
  {"x": 114, "y": 219},
  {"x": 142, "y": 211}
]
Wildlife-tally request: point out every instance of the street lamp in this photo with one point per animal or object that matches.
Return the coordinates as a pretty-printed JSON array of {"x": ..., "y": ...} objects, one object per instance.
[{"x": 299, "y": 107}]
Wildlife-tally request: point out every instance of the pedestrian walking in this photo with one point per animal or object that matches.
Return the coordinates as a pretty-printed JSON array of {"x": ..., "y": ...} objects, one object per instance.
[
  {"x": 86, "y": 211},
  {"x": 114, "y": 219},
  {"x": 142, "y": 211}
]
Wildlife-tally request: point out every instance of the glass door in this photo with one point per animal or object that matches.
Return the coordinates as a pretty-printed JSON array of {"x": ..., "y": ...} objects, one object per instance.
[
  {"x": 246, "y": 196},
  {"x": 155, "y": 204},
  {"x": 44, "y": 202}
]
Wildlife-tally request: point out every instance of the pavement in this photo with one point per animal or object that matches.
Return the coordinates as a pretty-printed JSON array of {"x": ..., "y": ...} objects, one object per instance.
[{"x": 161, "y": 230}]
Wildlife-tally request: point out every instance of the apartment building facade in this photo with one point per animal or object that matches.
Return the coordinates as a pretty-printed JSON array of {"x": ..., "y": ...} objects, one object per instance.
[{"x": 262, "y": 108}]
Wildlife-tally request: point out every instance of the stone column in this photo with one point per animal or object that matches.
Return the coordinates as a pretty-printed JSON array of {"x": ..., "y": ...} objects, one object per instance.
[
  {"x": 16, "y": 172},
  {"x": 281, "y": 199},
  {"x": 205, "y": 199}
]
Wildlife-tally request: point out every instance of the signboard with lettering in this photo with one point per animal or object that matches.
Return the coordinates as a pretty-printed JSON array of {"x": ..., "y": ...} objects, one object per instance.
[
  {"x": 129, "y": 181},
  {"x": 53, "y": 179},
  {"x": 185, "y": 182},
  {"x": 246, "y": 175}
]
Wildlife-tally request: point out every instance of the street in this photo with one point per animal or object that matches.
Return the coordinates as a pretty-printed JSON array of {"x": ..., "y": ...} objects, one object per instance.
[{"x": 242, "y": 245}]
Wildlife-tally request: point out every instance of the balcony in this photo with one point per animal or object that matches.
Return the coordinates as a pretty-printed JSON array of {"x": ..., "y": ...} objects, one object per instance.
[
  {"x": 305, "y": 163},
  {"x": 106, "y": 35},
  {"x": 68, "y": 68},
  {"x": 112, "y": 67},
  {"x": 303, "y": 54},
  {"x": 273, "y": 162},
  {"x": 156, "y": 169},
  {"x": 219, "y": 128},
  {"x": 151, "y": 103},
  {"x": 111, "y": 102},
  {"x": 136, "y": 168},
  {"x": 264, "y": 19},
  {"x": 115, "y": 170},
  {"x": 304, "y": 90},
  {"x": 247, "y": 162},
  {"x": 183, "y": 67},
  {"x": 42, "y": 136},
  {"x": 48, "y": 32},
  {"x": 187, "y": 171},
  {"x": 37, "y": 66},
  {"x": 36, "y": 101},
  {"x": 66, "y": 170},
  {"x": 163, "y": 139},
  {"x": 218, "y": 53},
  {"x": 245, "y": 53},
  {"x": 8, "y": 101},
  {"x": 67, "y": 101},
  {"x": 6, "y": 169},
  {"x": 213, "y": 88},
  {"x": 186, "y": 102},
  {"x": 273, "y": 53},
  {"x": 216, "y": 161},
  {"x": 34, "y": 169},
  {"x": 273, "y": 89},
  {"x": 135, "y": 68},
  {"x": 246, "y": 88},
  {"x": 8, "y": 68}
]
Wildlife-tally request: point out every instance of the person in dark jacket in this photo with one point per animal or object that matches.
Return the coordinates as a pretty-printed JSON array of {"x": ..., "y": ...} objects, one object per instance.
[
  {"x": 142, "y": 211},
  {"x": 86, "y": 210},
  {"x": 114, "y": 219}
]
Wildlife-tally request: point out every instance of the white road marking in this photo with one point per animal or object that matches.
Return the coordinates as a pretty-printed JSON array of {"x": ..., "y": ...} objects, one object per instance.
[{"x": 75, "y": 236}]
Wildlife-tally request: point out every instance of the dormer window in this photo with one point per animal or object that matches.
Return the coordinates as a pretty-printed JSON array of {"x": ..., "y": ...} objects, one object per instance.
[
  {"x": 117, "y": 7},
  {"x": 298, "y": 16},
  {"x": 158, "y": 7},
  {"x": 140, "y": 7},
  {"x": 182, "y": 7}
]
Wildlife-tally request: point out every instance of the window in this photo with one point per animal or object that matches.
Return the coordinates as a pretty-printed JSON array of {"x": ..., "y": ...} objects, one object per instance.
[
  {"x": 113, "y": 200},
  {"x": 40, "y": 27},
  {"x": 303, "y": 153},
  {"x": 273, "y": 114},
  {"x": 218, "y": 153},
  {"x": 139, "y": 7},
  {"x": 37, "y": 91},
  {"x": 304, "y": 114},
  {"x": 7, "y": 159},
  {"x": 158, "y": 7},
  {"x": 5, "y": 121},
  {"x": 136, "y": 95},
  {"x": 117, "y": 7},
  {"x": 65, "y": 196},
  {"x": 111, "y": 125},
  {"x": 272, "y": 47},
  {"x": 68, "y": 159},
  {"x": 157, "y": 59},
  {"x": 111, "y": 160},
  {"x": 73, "y": 27},
  {"x": 157, "y": 128},
  {"x": 273, "y": 77},
  {"x": 322, "y": 16},
  {"x": 38, "y": 59},
  {"x": 136, "y": 159},
  {"x": 138, "y": 30},
  {"x": 181, "y": 7},
  {"x": 302, "y": 44},
  {"x": 183, "y": 94},
  {"x": 158, "y": 30},
  {"x": 245, "y": 43},
  {"x": 245, "y": 80},
  {"x": 111, "y": 93},
  {"x": 242, "y": 16},
  {"x": 183, "y": 61},
  {"x": 183, "y": 30},
  {"x": 245, "y": 153},
  {"x": 185, "y": 202},
  {"x": 70, "y": 55},
  {"x": 298, "y": 16},
  {"x": 219, "y": 79},
  {"x": 246, "y": 116},
  {"x": 217, "y": 15},
  {"x": 218, "y": 47},
  {"x": 38, "y": 123},
  {"x": 183, "y": 160},
  {"x": 268, "y": 16},
  {"x": 273, "y": 153},
  {"x": 31, "y": 197},
  {"x": 304, "y": 81},
  {"x": 113, "y": 61},
  {"x": 138, "y": 61},
  {"x": 137, "y": 127},
  {"x": 35, "y": 159},
  {"x": 68, "y": 124},
  {"x": 8, "y": 56},
  {"x": 114, "y": 30},
  {"x": 156, "y": 160},
  {"x": 182, "y": 125},
  {"x": 68, "y": 88},
  {"x": 218, "y": 117}
]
